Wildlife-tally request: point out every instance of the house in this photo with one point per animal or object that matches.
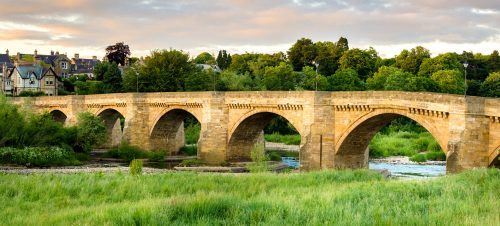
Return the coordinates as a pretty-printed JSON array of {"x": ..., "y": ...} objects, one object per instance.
[
  {"x": 206, "y": 67},
  {"x": 33, "y": 77},
  {"x": 60, "y": 63},
  {"x": 83, "y": 66},
  {"x": 5, "y": 66}
]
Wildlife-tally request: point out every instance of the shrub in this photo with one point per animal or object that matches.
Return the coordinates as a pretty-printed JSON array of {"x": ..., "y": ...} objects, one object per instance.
[
  {"x": 90, "y": 132},
  {"x": 418, "y": 158},
  {"x": 190, "y": 150},
  {"x": 192, "y": 132},
  {"x": 38, "y": 156},
  {"x": 192, "y": 162},
  {"x": 126, "y": 152},
  {"x": 434, "y": 147},
  {"x": 437, "y": 156},
  {"x": 157, "y": 155},
  {"x": 259, "y": 158},
  {"x": 135, "y": 167}
]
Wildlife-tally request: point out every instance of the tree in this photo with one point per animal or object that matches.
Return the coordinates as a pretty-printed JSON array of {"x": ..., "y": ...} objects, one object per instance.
[
  {"x": 494, "y": 62},
  {"x": 165, "y": 71},
  {"x": 12, "y": 123},
  {"x": 223, "y": 59},
  {"x": 236, "y": 82},
  {"x": 90, "y": 132},
  {"x": 200, "y": 80},
  {"x": 204, "y": 58},
  {"x": 449, "y": 81},
  {"x": 363, "y": 61},
  {"x": 118, "y": 53},
  {"x": 327, "y": 57},
  {"x": 345, "y": 80},
  {"x": 410, "y": 61},
  {"x": 446, "y": 61},
  {"x": 302, "y": 53},
  {"x": 112, "y": 79},
  {"x": 280, "y": 77},
  {"x": 491, "y": 86},
  {"x": 309, "y": 79}
]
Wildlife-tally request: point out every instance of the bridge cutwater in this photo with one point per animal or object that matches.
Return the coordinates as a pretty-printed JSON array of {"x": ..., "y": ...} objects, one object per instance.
[{"x": 335, "y": 127}]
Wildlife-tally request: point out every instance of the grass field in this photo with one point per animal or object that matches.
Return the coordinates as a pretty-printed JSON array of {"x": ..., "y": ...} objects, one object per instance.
[{"x": 317, "y": 198}]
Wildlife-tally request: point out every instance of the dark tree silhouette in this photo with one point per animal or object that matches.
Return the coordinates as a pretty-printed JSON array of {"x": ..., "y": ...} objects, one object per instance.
[{"x": 117, "y": 53}]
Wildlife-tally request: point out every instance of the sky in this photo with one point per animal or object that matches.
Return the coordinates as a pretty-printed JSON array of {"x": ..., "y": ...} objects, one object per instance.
[{"x": 264, "y": 26}]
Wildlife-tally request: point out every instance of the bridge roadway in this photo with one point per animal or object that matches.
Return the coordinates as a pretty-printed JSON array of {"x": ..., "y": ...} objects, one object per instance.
[{"x": 335, "y": 127}]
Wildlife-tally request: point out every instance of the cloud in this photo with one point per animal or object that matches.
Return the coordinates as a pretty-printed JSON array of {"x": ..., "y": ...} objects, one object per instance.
[{"x": 248, "y": 25}]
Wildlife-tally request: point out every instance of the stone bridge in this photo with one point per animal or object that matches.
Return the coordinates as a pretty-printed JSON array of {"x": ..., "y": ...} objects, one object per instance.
[{"x": 335, "y": 127}]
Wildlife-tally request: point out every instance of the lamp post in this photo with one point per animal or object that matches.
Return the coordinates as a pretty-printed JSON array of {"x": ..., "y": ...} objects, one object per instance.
[
  {"x": 465, "y": 78},
  {"x": 316, "y": 79}
]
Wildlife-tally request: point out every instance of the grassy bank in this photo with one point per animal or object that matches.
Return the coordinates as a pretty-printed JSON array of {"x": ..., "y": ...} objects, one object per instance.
[
  {"x": 280, "y": 138},
  {"x": 317, "y": 198},
  {"x": 406, "y": 144}
]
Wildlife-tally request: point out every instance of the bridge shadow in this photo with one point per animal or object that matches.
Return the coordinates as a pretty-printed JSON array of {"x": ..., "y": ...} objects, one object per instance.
[{"x": 115, "y": 123}]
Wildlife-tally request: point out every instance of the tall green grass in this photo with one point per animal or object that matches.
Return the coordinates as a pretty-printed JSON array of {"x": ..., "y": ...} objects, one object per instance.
[
  {"x": 403, "y": 143},
  {"x": 290, "y": 139},
  {"x": 318, "y": 198}
]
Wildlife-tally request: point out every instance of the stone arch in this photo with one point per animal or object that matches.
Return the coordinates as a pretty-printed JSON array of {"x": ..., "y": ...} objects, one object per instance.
[
  {"x": 59, "y": 116},
  {"x": 112, "y": 121},
  {"x": 167, "y": 132},
  {"x": 495, "y": 161},
  {"x": 248, "y": 130},
  {"x": 351, "y": 148}
]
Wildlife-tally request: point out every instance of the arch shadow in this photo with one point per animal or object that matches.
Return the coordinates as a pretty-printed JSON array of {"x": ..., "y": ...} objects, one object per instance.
[
  {"x": 248, "y": 131},
  {"x": 114, "y": 128},
  {"x": 352, "y": 147},
  {"x": 59, "y": 116},
  {"x": 167, "y": 134}
]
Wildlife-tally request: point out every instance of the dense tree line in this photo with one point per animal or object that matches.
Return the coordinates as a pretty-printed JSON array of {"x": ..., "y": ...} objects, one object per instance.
[{"x": 307, "y": 65}]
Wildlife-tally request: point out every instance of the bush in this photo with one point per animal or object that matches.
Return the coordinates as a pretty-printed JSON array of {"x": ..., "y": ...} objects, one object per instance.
[
  {"x": 38, "y": 156},
  {"x": 259, "y": 158},
  {"x": 192, "y": 132},
  {"x": 190, "y": 150},
  {"x": 192, "y": 162},
  {"x": 31, "y": 94},
  {"x": 90, "y": 132},
  {"x": 126, "y": 152},
  {"x": 436, "y": 156},
  {"x": 418, "y": 158},
  {"x": 135, "y": 167}
]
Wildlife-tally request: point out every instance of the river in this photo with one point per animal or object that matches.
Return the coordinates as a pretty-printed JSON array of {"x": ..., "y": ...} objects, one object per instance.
[{"x": 409, "y": 171}]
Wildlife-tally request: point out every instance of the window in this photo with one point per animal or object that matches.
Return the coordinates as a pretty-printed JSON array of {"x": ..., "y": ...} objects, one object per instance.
[{"x": 64, "y": 65}]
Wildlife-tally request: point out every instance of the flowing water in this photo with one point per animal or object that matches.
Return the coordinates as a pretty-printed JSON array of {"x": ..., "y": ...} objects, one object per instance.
[{"x": 409, "y": 171}]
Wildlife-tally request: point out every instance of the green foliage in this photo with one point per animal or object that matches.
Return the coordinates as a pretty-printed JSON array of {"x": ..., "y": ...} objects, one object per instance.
[
  {"x": 12, "y": 124},
  {"x": 418, "y": 158},
  {"x": 192, "y": 132},
  {"x": 135, "y": 167},
  {"x": 436, "y": 156},
  {"x": 349, "y": 197},
  {"x": 362, "y": 61},
  {"x": 89, "y": 87},
  {"x": 112, "y": 78},
  {"x": 491, "y": 86},
  {"x": 345, "y": 80},
  {"x": 28, "y": 93},
  {"x": 190, "y": 150},
  {"x": 290, "y": 139},
  {"x": 449, "y": 81},
  {"x": 259, "y": 159},
  {"x": 280, "y": 77},
  {"x": 309, "y": 78},
  {"x": 201, "y": 80},
  {"x": 276, "y": 155},
  {"x": 118, "y": 53},
  {"x": 235, "y": 82},
  {"x": 223, "y": 59},
  {"x": 402, "y": 143},
  {"x": 90, "y": 132},
  {"x": 280, "y": 125},
  {"x": 164, "y": 71},
  {"x": 126, "y": 152},
  {"x": 192, "y": 162},
  {"x": 410, "y": 61},
  {"x": 204, "y": 58},
  {"x": 446, "y": 61},
  {"x": 38, "y": 156},
  {"x": 302, "y": 53}
]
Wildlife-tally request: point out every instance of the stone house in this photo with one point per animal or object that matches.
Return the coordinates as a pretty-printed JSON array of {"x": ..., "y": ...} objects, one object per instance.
[
  {"x": 83, "y": 66},
  {"x": 5, "y": 66},
  {"x": 33, "y": 77},
  {"x": 60, "y": 63}
]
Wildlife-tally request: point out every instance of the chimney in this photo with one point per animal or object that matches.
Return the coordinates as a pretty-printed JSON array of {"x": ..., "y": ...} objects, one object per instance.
[
  {"x": 57, "y": 52},
  {"x": 36, "y": 53},
  {"x": 18, "y": 56},
  {"x": 94, "y": 57},
  {"x": 52, "y": 52},
  {"x": 7, "y": 52},
  {"x": 77, "y": 56}
]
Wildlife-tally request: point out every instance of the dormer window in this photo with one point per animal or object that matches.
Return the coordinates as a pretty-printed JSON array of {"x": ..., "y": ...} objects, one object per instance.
[{"x": 32, "y": 80}]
